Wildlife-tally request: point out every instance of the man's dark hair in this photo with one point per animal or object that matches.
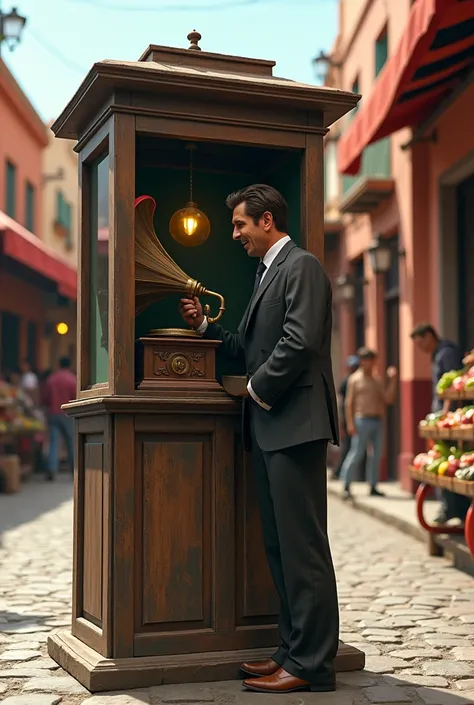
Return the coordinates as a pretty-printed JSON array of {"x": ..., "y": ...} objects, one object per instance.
[
  {"x": 64, "y": 363},
  {"x": 258, "y": 199},
  {"x": 423, "y": 329},
  {"x": 366, "y": 354}
]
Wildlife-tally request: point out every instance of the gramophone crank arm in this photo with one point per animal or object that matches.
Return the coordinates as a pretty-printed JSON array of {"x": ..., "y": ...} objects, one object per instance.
[
  {"x": 195, "y": 288},
  {"x": 207, "y": 309}
]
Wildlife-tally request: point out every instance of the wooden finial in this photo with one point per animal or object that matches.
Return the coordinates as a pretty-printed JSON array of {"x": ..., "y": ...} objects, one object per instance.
[{"x": 194, "y": 38}]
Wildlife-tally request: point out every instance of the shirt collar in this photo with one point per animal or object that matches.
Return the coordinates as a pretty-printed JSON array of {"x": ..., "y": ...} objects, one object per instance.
[{"x": 274, "y": 250}]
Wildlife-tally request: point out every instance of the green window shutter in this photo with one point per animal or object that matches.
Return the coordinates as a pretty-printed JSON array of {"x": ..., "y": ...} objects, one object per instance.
[
  {"x": 381, "y": 52},
  {"x": 67, "y": 216},
  {"x": 58, "y": 206},
  {"x": 10, "y": 193},
  {"x": 30, "y": 207}
]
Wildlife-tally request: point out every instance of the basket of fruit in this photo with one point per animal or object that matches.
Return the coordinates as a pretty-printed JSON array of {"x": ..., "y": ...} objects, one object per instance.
[
  {"x": 453, "y": 425},
  {"x": 464, "y": 476},
  {"x": 457, "y": 384},
  {"x": 440, "y": 465}
]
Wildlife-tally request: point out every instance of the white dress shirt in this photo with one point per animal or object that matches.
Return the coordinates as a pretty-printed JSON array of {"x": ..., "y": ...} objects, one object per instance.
[{"x": 267, "y": 261}]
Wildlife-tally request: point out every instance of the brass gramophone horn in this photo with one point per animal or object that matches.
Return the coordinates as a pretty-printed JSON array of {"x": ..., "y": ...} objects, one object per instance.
[{"x": 156, "y": 274}]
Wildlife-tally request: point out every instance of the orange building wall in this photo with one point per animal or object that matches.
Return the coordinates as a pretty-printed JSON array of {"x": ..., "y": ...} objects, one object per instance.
[{"x": 22, "y": 140}]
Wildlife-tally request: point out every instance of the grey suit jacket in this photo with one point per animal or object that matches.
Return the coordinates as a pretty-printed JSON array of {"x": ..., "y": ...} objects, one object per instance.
[{"x": 284, "y": 339}]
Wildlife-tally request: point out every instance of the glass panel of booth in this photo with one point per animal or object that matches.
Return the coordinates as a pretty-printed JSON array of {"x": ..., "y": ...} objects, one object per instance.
[{"x": 99, "y": 270}]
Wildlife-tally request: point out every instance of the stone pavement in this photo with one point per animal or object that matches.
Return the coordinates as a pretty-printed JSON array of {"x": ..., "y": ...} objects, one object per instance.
[
  {"x": 397, "y": 507},
  {"x": 412, "y": 615}
]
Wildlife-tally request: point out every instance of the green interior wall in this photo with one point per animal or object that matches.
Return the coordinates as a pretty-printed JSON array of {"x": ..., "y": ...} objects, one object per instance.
[{"x": 220, "y": 264}]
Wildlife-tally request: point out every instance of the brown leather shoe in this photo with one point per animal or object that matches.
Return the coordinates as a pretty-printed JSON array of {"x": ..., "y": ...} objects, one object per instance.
[
  {"x": 260, "y": 668},
  {"x": 283, "y": 682}
]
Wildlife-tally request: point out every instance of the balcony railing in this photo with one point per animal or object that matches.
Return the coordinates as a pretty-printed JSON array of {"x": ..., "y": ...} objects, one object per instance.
[{"x": 375, "y": 164}]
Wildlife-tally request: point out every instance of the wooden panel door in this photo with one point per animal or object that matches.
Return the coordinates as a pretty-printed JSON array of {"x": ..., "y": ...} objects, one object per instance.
[
  {"x": 201, "y": 576},
  {"x": 92, "y": 531}
]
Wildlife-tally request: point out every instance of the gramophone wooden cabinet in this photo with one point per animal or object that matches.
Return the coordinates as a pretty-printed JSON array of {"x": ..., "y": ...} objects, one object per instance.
[{"x": 170, "y": 578}]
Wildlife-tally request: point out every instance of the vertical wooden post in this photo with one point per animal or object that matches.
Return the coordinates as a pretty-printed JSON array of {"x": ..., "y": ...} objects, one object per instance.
[
  {"x": 312, "y": 196},
  {"x": 83, "y": 288},
  {"x": 122, "y": 255}
]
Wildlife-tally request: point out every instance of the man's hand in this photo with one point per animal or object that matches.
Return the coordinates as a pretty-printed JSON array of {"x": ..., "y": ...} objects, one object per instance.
[
  {"x": 392, "y": 372},
  {"x": 191, "y": 311},
  {"x": 350, "y": 428}
]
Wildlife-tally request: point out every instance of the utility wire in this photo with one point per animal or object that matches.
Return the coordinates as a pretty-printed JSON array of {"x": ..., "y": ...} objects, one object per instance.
[
  {"x": 220, "y": 6},
  {"x": 56, "y": 53}
]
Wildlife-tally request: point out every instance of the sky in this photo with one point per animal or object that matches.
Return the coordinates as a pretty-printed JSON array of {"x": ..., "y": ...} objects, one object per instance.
[{"x": 63, "y": 38}]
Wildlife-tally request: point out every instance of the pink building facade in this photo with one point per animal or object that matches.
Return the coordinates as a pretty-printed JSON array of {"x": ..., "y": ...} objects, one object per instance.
[
  {"x": 38, "y": 285},
  {"x": 402, "y": 168}
]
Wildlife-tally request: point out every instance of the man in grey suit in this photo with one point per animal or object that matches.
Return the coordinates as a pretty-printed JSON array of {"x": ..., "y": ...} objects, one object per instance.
[{"x": 284, "y": 339}]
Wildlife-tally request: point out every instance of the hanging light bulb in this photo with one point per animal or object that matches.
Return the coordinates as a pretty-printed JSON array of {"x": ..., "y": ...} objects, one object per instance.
[{"x": 190, "y": 226}]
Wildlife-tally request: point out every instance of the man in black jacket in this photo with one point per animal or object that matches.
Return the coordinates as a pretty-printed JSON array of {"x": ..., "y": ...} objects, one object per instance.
[{"x": 289, "y": 417}]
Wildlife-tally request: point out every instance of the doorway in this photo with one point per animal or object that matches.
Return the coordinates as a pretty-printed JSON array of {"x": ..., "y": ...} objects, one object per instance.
[
  {"x": 10, "y": 342},
  {"x": 465, "y": 217},
  {"x": 392, "y": 351}
]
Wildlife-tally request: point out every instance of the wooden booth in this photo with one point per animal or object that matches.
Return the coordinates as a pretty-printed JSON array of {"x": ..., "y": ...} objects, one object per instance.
[{"x": 170, "y": 578}]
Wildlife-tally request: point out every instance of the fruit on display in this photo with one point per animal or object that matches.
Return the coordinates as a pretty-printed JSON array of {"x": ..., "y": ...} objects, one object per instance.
[
  {"x": 461, "y": 418},
  {"x": 446, "y": 461},
  {"x": 431, "y": 419},
  {"x": 446, "y": 380},
  {"x": 466, "y": 474},
  {"x": 16, "y": 416},
  {"x": 459, "y": 380}
]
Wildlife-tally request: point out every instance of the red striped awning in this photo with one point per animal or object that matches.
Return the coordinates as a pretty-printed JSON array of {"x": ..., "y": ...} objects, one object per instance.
[
  {"x": 434, "y": 54},
  {"x": 21, "y": 245}
]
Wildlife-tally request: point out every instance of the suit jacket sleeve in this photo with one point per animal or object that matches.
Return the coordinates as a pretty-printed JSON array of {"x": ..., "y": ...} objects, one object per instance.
[
  {"x": 231, "y": 344},
  {"x": 308, "y": 296}
]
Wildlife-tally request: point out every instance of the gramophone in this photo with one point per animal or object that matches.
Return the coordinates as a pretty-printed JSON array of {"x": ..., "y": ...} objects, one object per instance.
[{"x": 157, "y": 275}]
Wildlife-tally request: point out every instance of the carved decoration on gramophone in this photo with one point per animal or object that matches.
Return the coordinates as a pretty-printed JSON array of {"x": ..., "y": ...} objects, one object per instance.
[
  {"x": 157, "y": 275},
  {"x": 178, "y": 364}
]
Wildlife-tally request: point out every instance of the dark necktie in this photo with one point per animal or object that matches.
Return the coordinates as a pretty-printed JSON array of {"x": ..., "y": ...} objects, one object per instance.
[{"x": 258, "y": 277}]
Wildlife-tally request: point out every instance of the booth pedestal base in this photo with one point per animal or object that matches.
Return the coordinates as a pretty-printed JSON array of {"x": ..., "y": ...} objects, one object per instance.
[{"x": 98, "y": 674}]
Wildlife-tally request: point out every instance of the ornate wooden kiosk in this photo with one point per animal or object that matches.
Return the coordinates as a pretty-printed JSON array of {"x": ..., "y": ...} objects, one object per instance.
[{"x": 170, "y": 579}]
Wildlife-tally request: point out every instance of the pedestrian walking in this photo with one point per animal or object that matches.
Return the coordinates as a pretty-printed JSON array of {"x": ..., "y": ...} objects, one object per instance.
[
  {"x": 445, "y": 357},
  {"x": 352, "y": 364},
  {"x": 284, "y": 339},
  {"x": 29, "y": 382},
  {"x": 366, "y": 399},
  {"x": 59, "y": 389}
]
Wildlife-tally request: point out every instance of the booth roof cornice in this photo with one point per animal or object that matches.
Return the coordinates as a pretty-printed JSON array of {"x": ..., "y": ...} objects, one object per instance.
[{"x": 109, "y": 76}]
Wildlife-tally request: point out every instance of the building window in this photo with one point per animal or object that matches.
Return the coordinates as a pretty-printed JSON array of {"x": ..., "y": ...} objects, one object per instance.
[
  {"x": 381, "y": 51},
  {"x": 63, "y": 220},
  {"x": 30, "y": 207},
  {"x": 10, "y": 190},
  {"x": 355, "y": 89}
]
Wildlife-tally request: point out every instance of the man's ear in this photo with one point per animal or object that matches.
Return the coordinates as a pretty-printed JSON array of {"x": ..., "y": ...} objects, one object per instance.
[{"x": 267, "y": 218}]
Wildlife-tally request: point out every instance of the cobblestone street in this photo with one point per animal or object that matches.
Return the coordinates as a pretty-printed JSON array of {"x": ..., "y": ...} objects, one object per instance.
[{"x": 412, "y": 615}]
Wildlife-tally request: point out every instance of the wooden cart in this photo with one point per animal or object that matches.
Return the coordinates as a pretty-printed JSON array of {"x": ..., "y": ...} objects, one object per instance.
[{"x": 429, "y": 481}]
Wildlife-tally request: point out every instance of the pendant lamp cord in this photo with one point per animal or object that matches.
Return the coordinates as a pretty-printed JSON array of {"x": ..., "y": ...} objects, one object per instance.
[{"x": 190, "y": 174}]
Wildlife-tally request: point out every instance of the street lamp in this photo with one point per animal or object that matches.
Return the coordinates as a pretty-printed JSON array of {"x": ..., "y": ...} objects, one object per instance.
[
  {"x": 345, "y": 288},
  {"x": 11, "y": 28},
  {"x": 322, "y": 63},
  {"x": 380, "y": 255}
]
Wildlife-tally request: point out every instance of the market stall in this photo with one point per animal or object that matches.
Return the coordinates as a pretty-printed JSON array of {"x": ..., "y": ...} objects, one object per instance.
[
  {"x": 18, "y": 424},
  {"x": 449, "y": 462}
]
